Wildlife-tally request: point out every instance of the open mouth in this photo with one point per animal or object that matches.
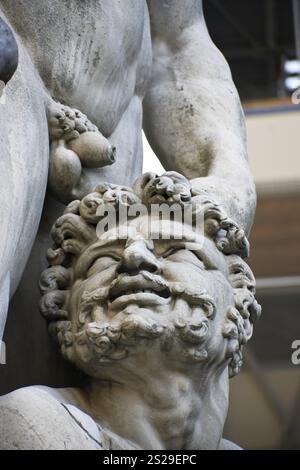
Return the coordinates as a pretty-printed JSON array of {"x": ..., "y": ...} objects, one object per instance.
[
  {"x": 138, "y": 288},
  {"x": 165, "y": 294}
]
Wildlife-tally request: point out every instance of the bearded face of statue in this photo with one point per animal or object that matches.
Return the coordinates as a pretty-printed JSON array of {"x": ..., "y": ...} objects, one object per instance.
[
  {"x": 129, "y": 297},
  {"x": 168, "y": 296}
]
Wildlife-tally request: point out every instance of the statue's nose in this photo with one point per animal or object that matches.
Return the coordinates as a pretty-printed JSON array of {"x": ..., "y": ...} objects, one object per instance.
[{"x": 138, "y": 257}]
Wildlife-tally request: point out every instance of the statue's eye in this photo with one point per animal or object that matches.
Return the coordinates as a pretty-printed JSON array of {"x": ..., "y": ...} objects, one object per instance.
[
  {"x": 101, "y": 264},
  {"x": 172, "y": 251},
  {"x": 184, "y": 255}
]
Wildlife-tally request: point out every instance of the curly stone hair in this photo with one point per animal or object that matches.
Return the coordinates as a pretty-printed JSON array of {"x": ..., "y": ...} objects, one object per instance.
[
  {"x": 240, "y": 318},
  {"x": 76, "y": 229}
]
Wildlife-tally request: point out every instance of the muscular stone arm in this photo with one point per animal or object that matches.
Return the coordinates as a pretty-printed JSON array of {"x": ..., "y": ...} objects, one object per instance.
[{"x": 193, "y": 117}]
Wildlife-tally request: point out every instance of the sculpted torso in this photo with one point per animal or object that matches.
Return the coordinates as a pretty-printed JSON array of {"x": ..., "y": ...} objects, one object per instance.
[
  {"x": 102, "y": 69},
  {"x": 106, "y": 55}
]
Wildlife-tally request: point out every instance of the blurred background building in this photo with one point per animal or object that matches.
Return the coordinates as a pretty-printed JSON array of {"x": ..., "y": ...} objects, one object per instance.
[{"x": 261, "y": 41}]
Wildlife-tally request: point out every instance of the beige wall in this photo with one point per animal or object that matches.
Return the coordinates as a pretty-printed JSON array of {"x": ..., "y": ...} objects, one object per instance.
[
  {"x": 253, "y": 422},
  {"x": 274, "y": 150}
]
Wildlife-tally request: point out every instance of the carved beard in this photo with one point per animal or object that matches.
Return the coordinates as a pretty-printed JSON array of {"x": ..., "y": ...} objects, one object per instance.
[{"x": 182, "y": 333}]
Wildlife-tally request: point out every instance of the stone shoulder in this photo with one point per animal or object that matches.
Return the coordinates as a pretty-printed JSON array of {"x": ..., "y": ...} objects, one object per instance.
[{"x": 32, "y": 419}]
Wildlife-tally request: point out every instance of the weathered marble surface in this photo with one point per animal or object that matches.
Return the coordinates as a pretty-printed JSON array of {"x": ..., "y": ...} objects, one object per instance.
[
  {"x": 24, "y": 170},
  {"x": 192, "y": 113},
  {"x": 155, "y": 321},
  {"x": 122, "y": 65},
  {"x": 101, "y": 70}
]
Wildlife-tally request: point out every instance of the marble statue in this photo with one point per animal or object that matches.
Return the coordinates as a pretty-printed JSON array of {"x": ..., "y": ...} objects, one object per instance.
[
  {"x": 90, "y": 76},
  {"x": 103, "y": 58},
  {"x": 155, "y": 319}
]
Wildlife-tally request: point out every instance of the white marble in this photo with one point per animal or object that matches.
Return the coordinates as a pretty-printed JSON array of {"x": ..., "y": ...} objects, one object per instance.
[
  {"x": 90, "y": 76},
  {"x": 97, "y": 57},
  {"x": 156, "y": 323}
]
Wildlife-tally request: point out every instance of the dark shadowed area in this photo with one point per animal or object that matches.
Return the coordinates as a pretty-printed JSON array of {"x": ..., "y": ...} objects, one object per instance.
[{"x": 8, "y": 52}]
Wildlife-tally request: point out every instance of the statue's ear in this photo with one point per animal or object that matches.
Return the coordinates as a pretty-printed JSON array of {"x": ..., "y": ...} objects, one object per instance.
[{"x": 9, "y": 54}]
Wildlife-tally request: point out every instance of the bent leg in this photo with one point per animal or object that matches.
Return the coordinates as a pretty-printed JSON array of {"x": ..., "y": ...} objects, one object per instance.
[{"x": 24, "y": 160}]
